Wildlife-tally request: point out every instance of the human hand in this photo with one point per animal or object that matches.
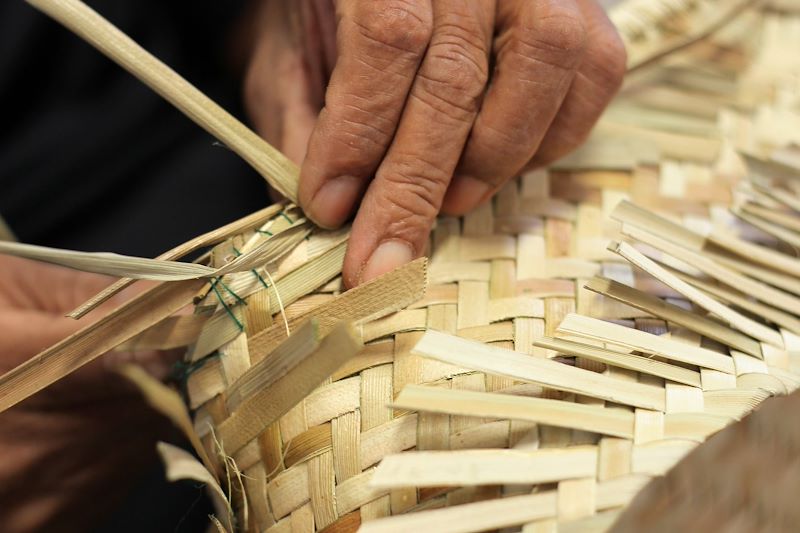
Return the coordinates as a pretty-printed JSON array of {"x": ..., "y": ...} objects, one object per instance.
[
  {"x": 68, "y": 453},
  {"x": 431, "y": 105}
]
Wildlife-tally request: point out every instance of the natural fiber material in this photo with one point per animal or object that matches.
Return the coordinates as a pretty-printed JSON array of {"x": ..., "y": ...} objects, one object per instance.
[
  {"x": 634, "y": 381},
  {"x": 600, "y": 318}
]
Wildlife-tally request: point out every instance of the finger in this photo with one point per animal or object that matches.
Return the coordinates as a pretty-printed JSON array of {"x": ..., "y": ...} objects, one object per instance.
[
  {"x": 596, "y": 83},
  {"x": 402, "y": 202},
  {"x": 381, "y": 45},
  {"x": 278, "y": 88},
  {"x": 28, "y": 332},
  {"x": 28, "y": 284},
  {"x": 538, "y": 49}
]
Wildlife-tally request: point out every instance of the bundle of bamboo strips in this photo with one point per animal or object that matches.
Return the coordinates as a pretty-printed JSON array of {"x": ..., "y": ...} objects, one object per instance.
[{"x": 564, "y": 344}]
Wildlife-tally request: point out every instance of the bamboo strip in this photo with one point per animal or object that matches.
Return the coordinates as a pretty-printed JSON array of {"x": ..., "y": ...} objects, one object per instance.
[
  {"x": 786, "y": 235},
  {"x": 736, "y": 320},
  {"x": 759, "y": 290},
  {"x": 172, "y": 332},
  {"x": 504, "y": 512},
  {"x": 756, "y": 253},
  {"x": 470, "y": 354},
  {"x": 655, "y": 226},
  {"x": 279, "y": 172},
  {"x": 741, "y": 301},
  {"x": 484, "y": 467},
  {"x": 638, "y": 363},
  {"x": 672, "y": 313},
  {"x": 264, "y": 407},
  {"x": 780, "y": 218},
  {"x": 277, "y": 364},
  {"x": 135, "y": 316},
  {"x": 380, "y": 297},
  {"x": 615, "y": 422},
  {"x": 654, "y": 29},
  {"x": 157, "y": 269},
  {"x": 201, "y": 241},
  {"x": 779, "y": 195},
  {"x": 639, "y": 340},
  {"x": 777, "y": 279},
  {"x": 180, "y": 464},
  {"x": 109, "y": 263}
]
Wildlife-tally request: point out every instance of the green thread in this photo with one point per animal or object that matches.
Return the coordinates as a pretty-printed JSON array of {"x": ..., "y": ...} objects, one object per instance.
[
  {"x": 284, "y": 215},
  {"x": 254, "y": 271},
  {"x": 181, "y": 370},
  {"x": 224, "y": 305},
  {"x": 264, "y": 232},
  {"x": 229, "y": 291}
]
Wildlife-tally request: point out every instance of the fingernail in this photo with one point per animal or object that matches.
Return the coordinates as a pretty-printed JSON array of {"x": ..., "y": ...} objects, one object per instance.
[
  {"x": 334, "y": 202},
  {"x": 464, "y": 193},
  {"x": 386, "y": 257}
]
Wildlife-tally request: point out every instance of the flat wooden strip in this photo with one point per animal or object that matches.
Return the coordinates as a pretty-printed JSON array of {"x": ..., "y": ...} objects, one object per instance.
[
  {"x": 180, "y": 464},
  {"x": 201, "y": 241},
  {"x": 130, "y": 267},
  {"x": 672, "y": 313},
  {"x": 549, "y": 412},
  {"x": 639, "y": 23},
  {"x": 137, "y": 315},
  {"x": 784, "y": 219},
  {"x": 737, "y": 320},
  {"x": 280, "y": 362},
  {"x": 753, "y": 307},
  {"x": 275, "y": 167},
  {"x": 266, "y": 406},
  {"x": 548, "y": 373},
  {"x": 761, "y": 291},
  {"x": 472, "y": 517},
  {"x": 773, "y": 277},
  {"x": 786, "y": 235},
  {"x": 109, "y": 263},
  {"x": 380, "y": 297},
  {"x": 584, "y": 326},
  {"x": 629, "y": 213},
  {"x": 757, "y": 253},
  {"x": 638, "y": 363},
  {"x": 503, "y": 512},
  {"x": 484, "y": 467},
  {"x": 172, "y": 332}
]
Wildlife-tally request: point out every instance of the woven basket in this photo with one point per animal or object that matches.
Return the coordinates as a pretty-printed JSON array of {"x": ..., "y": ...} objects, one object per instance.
[
  {"x": 507, "y": 276},
  {"x": 564, "y": 345}
]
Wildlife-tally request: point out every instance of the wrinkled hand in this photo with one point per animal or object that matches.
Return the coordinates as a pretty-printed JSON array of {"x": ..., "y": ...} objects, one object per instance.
[
  {"x": 431, "y": 105},
  {"x": 68, "y": 453}
]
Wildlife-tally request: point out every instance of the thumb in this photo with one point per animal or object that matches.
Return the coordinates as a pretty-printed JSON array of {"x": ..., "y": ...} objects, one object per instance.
[{"x": 393, "y": 223}]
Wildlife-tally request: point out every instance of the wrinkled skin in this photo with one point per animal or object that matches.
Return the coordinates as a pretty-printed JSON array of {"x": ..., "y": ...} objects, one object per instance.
[
  {"x": 71, "y": 452},
  {"x": 402, "y": 109},
  {"x": 398, "y": 110}
]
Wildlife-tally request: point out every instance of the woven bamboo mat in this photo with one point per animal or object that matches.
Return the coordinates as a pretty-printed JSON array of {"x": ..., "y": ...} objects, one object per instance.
[
  {"x": 564, "y": 344},
  {"x": 589, "y": 409}
]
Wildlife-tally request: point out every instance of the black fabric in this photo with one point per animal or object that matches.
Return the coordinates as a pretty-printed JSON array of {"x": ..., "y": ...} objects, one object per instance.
[{"x": 91, "y": 159}]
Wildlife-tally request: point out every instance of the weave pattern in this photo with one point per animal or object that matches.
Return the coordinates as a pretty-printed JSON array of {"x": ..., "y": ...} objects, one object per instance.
[{"x": 513, "y": 276}]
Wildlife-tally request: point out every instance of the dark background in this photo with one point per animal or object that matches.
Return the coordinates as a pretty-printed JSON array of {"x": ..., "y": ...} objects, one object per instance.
[{"x": 91, "y": 159}]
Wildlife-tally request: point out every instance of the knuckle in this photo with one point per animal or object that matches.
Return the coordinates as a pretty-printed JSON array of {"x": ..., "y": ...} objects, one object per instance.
[
  {"x": 454, "y": 78},
  {"x": 556, "y": 29},
  {"x": 607, "y": 59},
  {"x": 353, "y": 147},
  {"x": 414, "y": 192},
  {"x": 401, "y": 25}
]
